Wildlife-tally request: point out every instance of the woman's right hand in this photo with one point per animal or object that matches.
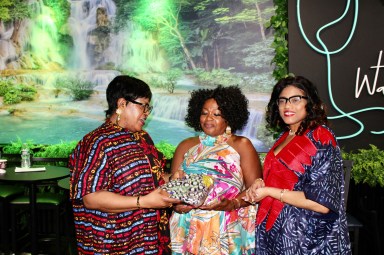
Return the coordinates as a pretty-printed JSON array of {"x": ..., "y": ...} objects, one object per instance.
[
  {"x": 182, "y": 208},
  {"x": 251, "y": 193},
  {"x": 157, "y": 199},
  {"x": 178, "y": 174}
]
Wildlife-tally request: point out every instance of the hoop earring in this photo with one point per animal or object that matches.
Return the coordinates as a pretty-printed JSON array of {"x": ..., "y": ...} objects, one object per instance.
[
  {"x": 228, "y": 130},
  {"x": 118, "y": 112}
]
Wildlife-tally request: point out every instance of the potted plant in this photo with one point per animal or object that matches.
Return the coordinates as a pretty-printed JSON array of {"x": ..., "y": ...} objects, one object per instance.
[
  {"x": 366, "y": 195},
  {"x": 368, "y": 166}
]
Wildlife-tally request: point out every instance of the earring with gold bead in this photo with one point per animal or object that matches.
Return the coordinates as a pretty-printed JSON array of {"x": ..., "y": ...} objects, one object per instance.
[
  {"x": 228, "y": 130},
  {"x": 118, "y": 112}
]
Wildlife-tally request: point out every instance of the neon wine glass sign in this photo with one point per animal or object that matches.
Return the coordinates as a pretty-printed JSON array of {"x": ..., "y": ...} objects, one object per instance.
[{"x": 365, "y": 81}]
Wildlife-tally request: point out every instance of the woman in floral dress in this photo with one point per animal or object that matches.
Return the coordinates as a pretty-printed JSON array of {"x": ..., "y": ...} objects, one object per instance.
[{"x": 224, "y": 224}]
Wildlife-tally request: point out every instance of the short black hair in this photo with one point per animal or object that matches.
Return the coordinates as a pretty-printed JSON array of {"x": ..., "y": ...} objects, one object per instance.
[
  {"x": 316, "y": 111},
  {"x": 124, "y": 86},
  {"x": 231, "y": 101}
]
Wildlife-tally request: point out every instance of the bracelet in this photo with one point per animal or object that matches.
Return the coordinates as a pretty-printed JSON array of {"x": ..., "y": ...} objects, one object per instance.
[
  {"x": 138, "y": 202},
  {"x": 261, "y": 179},
  {"x": 238, "y": 203},
  {"x": 281, "y": 194}
]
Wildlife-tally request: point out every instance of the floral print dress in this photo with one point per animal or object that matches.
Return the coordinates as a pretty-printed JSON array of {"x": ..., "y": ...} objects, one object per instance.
[{"x": 215, "y": 232}]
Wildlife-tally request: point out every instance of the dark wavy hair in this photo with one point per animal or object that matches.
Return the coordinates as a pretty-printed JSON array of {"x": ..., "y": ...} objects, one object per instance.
[
  {"x": 124, "y": 86},
  {"x": 231, "y": 101},
  {"x": 316, "y": 111}
]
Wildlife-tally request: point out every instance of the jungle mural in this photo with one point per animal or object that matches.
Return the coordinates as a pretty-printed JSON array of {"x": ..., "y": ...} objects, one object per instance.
[{"x": 58, "y": 56}]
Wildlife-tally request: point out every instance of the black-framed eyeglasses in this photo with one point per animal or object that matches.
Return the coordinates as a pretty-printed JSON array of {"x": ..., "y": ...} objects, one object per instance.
[
  {"x": 292, "y": 100},
  {"x": 146, "y": 107}
]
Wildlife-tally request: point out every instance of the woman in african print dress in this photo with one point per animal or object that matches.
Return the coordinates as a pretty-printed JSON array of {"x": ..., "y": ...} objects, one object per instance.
[
  {"x": 301, "y": 208},
  {"x": 115, "y": 172},
  {"x": 224, "y": 224}
]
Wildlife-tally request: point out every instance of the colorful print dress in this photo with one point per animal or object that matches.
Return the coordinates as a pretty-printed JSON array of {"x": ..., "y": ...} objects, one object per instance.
[
  {"x": 114, "y": 159},
  {"x": 215, "y": 232},
  {"x": 310, "y": 163}
]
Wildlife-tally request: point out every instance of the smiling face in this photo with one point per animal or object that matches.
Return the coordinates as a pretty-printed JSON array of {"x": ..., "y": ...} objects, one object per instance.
[
  {"x": 132, "y": 115},
  {"x": 211, "y": 121},
  {"x": 292, "y": 112}
]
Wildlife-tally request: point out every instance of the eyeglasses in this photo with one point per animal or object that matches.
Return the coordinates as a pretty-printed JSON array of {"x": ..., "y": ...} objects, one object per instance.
[
  {"x": 146, "y": 107},
  {"x": 292, "y": 100}
]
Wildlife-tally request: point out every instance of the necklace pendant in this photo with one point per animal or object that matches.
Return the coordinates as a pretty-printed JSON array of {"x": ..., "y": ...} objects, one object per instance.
[{"x": 292, "y": 132}]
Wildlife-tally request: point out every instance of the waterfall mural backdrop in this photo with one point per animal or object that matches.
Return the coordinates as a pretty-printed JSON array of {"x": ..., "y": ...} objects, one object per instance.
[{"x": 58, "y": 56}]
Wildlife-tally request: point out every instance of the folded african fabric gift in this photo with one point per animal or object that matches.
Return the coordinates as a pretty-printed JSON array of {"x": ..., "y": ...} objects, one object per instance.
[{"x": 192, "y": 189}]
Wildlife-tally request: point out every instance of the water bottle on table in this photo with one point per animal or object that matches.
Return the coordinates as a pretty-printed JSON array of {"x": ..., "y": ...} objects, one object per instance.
[{"x": 25, "y": 157}]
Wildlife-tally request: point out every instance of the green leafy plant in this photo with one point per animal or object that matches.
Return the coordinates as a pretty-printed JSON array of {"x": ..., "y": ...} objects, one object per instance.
[
  {"x": 217, "y": 76},
  {"x": 78, "y": 89},
  {"x": 59, "y": 150},
  {"x": 172, "y": 76},
  {"x": 279, "y": 22},
  {"x": 166, "y": 148},
  {"x": 368, "y": 166},
  {"x": 15, "y": 146},
  {"x": 15, "y": 93},
  {"x": 5, "y": 86}
]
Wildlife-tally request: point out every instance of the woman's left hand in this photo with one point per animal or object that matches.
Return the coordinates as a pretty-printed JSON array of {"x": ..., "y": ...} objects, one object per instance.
[
  {"x": 222, "y": 205},
  {"x": 252, "y": 195}
]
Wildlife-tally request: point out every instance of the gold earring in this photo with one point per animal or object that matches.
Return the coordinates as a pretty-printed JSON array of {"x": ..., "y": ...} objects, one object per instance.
[
  {"x": 228, "y": 130},
  {"x": 118, "y": 112}
]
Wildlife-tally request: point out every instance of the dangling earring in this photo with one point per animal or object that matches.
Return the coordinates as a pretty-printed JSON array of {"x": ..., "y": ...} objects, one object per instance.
[
  {"x": 118, "y": 112},
  {"x": 228, "y": 130}
]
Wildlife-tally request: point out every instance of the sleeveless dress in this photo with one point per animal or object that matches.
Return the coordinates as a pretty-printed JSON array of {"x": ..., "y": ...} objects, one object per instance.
[
  {"x": 310, "y": 163},
  {"x": 215, "y": 232}
]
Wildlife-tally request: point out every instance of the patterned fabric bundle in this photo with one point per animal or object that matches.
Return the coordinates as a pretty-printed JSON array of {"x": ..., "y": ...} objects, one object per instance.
[{"x": 192, "y": 189}]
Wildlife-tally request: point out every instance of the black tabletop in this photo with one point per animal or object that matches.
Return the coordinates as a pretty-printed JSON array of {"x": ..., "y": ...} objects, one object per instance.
[
  {"x": 64, "y": 183},
  {"x": 50, "y": 173}
]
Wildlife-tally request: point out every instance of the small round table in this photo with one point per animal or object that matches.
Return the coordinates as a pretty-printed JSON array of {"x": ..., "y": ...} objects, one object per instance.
[
  {"x": 31, "y": 179},
  {"x": 64, "y": 183}
]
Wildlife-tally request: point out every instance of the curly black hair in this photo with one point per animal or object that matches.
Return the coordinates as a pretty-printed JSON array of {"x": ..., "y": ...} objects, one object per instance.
[
  {"x": 231, "y": 101},
  {"x": 316, "y": 111}
]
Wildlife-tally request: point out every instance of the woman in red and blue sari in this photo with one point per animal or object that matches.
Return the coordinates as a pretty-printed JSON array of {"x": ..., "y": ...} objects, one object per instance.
[{"x": 301, "y": 199}]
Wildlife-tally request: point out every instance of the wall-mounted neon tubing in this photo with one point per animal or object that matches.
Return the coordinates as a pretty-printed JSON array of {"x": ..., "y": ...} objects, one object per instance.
[{"x": 328, "y": 54}]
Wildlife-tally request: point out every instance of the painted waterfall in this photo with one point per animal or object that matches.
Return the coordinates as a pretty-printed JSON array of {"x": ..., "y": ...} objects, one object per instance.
[{"x": 49, "y": 50}]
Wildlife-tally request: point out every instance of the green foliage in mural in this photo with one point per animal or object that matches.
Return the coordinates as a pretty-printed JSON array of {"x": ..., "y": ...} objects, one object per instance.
[
  {"x": 164, "y": 16},
  {"x": 19, "y": 10},
  {"x": 259, "y": 55},
  {"x": 78, "y": 89},
  {"x": 61, "y": 11},
  {"x": 13, "y": 93},
  {"x": 5, "y": 86},
  {"x": 172, "y": 76},
  {"x": 279, "y": 22},
  {"x": 4, "y": 10},
  {"x": 217, "y": 76}
]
